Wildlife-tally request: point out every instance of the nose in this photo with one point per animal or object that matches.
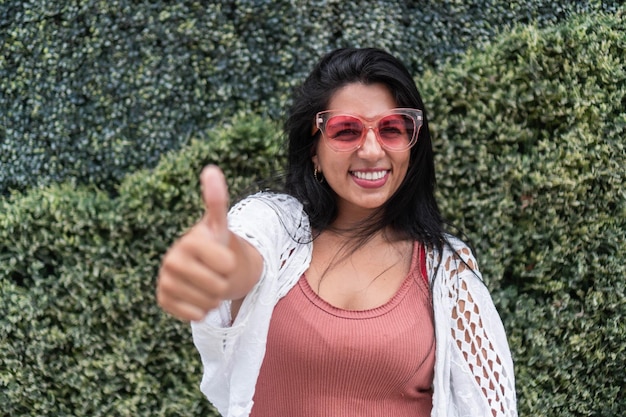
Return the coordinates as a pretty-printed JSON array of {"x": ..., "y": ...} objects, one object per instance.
[{"x": 371, "y": 148}]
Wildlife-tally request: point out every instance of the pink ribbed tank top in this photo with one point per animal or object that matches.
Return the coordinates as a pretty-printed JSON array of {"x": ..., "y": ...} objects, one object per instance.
[{"x": 323, "y": 361}]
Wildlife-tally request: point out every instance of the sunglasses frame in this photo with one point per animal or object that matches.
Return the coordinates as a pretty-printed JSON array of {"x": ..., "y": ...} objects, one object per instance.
[{"x": 321, "y": 118}]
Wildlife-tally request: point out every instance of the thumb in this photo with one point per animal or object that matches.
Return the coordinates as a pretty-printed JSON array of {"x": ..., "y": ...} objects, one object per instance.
[{"x": 215, "y": 197}]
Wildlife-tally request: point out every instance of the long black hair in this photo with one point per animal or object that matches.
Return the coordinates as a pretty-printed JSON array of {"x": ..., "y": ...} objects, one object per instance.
[{"x": 412, "y": 211}]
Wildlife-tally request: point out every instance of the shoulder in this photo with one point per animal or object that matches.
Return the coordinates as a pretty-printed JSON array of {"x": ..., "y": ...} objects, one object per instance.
[
  {"x": 270, "y": 213},
  {"x": 457, "y": 250},
  {"x": 454, "y": 252},
  {"x": 271, "y": 200},
  {"x": 453, "y": 266},
  {"x": 266, "y": 205}
]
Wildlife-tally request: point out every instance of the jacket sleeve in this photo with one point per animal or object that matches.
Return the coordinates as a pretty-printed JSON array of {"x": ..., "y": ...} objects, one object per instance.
[
  {"x": 481, "y": 380},
  {"x": 232, "y": 352}
]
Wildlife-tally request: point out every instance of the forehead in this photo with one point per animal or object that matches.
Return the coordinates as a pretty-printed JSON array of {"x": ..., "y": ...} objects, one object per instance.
[{"x": 366, "y": 100}]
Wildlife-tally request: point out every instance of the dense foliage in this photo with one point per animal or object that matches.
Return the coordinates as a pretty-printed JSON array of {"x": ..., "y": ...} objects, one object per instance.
[
  {"x": 80, "y": 332},
  {"x": 530, "y": 138},
  {"x": 91, "y": 90},
  {"x": 529, "y": 134}
]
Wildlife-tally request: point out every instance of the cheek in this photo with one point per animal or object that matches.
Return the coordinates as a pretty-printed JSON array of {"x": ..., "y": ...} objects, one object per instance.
[
  {"x": 331, "y": 163},
  {"x": 403, "y": 165}
]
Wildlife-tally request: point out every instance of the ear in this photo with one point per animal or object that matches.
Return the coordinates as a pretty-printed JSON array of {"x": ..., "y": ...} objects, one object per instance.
[{"x": 315, "y": 161}]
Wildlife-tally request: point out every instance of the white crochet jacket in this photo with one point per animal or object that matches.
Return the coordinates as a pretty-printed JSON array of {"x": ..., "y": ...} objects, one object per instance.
[{"x": 473, "y": 368}]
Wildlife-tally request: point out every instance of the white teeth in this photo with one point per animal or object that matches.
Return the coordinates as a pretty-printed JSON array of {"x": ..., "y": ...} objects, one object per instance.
[{"x": 369, "y": 176}]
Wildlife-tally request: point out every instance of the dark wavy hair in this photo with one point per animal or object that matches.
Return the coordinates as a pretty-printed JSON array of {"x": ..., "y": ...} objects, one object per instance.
[{"x": 411, "y": 211}]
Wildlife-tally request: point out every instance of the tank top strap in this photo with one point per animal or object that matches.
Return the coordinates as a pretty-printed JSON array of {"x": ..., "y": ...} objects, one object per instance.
[{"x": 422, "y": 263}]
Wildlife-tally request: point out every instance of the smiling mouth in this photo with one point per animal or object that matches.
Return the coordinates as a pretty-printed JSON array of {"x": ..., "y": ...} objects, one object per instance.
[{"x": 370, "y": 175}]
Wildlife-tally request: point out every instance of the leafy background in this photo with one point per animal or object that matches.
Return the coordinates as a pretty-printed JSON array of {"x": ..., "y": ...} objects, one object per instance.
[{"x": 108, "y": 111}]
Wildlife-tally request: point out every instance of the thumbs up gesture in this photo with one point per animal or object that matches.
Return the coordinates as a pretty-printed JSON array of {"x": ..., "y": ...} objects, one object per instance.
[
  {"x": 209, "y": 263},
  {"x": 215, "y": 197}
]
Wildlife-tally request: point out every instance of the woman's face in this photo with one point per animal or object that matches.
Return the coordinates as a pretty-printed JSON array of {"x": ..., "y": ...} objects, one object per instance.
[{"x": 363, "y": 179}]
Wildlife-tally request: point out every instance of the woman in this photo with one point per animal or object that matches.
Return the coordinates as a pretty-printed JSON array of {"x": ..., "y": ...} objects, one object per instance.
[{"x": 342, "y": 296}]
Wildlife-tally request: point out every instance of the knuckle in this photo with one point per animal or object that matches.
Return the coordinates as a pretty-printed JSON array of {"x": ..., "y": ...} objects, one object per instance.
[
  {"x": 163, "y": 300},
  {"x": 165, "y": 285},
  {"x": 221, "y": 289}
]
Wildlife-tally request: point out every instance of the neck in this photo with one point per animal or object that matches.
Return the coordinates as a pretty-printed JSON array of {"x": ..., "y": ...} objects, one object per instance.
[{"x": 358, "y": 235}]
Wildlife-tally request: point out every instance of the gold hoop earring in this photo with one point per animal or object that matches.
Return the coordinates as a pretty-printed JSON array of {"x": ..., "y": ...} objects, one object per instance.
[{"x": 318, "y": 179}]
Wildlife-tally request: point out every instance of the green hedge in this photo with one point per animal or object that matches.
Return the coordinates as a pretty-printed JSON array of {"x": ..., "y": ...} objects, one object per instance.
[
  {"x": 530, "y": 156},
  {"x": 530, "y": 147},
  {"x": 91, "y": 90},
  {"x": 80, "y": 331}
]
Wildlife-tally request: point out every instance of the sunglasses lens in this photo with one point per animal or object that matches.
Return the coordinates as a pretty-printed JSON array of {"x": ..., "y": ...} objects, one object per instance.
[
  {"x": 396, "y": 131},
  {"x": 344, "y": 131}
]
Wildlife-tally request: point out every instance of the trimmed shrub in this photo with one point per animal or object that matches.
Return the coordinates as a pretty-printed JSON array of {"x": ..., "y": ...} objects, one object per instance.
[
  {"x": 80, "y": 331},
  {"x": 93, "y": 90},
  {"x": 531, "y": 154}
]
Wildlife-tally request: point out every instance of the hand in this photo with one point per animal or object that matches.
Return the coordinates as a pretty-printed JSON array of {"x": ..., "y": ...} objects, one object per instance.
[{"x": 193, "y": 278}]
